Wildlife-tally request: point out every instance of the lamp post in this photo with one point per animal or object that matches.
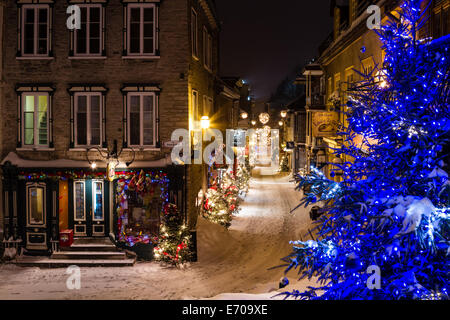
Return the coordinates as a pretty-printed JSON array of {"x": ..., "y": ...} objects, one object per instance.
[{"x": 205, "y": 123}]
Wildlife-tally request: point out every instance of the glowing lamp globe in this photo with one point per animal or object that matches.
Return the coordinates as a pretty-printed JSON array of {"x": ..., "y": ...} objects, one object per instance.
[
  {"x": 264, "y": 118},
  {"x": 205, "y": 122}
]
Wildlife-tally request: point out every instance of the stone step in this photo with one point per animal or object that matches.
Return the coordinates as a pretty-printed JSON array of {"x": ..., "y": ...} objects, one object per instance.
[
  {"x": 92, "y": 255},
  {"x": 90, "y": 247},
  {"x": 92, "y": 240},
  {"x": 45, "y": 262}
]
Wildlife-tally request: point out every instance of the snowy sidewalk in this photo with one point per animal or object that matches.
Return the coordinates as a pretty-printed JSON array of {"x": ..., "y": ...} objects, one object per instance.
[{"x": 232, "y": 264}]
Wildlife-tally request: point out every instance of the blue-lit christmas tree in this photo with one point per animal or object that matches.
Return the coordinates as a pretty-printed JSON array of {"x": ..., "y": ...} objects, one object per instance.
[{"x": 390, "y": 212}]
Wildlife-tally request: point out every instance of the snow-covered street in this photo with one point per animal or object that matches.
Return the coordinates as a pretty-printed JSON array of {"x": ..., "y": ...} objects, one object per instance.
[{"x": 232, "y": 264}]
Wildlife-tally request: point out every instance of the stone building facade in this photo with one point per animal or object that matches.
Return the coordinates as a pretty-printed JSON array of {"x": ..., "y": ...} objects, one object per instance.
[{"x": 119, "y": 86}]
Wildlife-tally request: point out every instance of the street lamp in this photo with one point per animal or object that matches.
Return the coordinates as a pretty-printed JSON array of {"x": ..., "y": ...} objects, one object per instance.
[
  {"x": 205, "y": 122},
  {"x": 244, "y": 115},
  {"x": 264, "y": 118},
  {"x": 281, "y": 123},
  {"x": 283, "y": 114}
]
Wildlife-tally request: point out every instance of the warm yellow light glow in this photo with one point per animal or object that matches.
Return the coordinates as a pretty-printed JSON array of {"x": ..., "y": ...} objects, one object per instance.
[
  {"x": 281, "y": 123},
  {"x": 205, "y": 122},
  {"x": 283, "y": 114},
  {"x": 253, "y": 122},
  {"x": 93, "y": 165},
  {"x": 264, "y": 118},
  {"x": 244, "y": 115}
]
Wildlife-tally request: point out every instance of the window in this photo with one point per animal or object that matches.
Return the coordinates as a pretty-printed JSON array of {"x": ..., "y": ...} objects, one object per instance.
[
  {"x": 440, "y": 22},
  {"x": 349, "y": 77},
  {"x": 141, "y": 30},
  {"x": 79, "y": 199},
  {"x": 88, "y": 119},
  {"x": 330, "y": 86},
  {"x": 141, "y": 119},
  {"x": 207, "y": 49},
  {"x": 195, "y": 110},
  {"x": 36, "y": 204},
  {"x": 207, "y": 106},
  {"x": 337, "y": 82},
  {"x": 35, "y": 30},
  {"x": 35, "y": 122},
  {"x": 194, "y": 33},
  {"x": 367, "y": 66},
  {"x": 97, "y": 200},
  {"x": 89, "y": 39}
]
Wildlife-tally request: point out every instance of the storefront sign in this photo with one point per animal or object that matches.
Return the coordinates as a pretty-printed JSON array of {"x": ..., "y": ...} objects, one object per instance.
[{"x": 325, "y": 124}]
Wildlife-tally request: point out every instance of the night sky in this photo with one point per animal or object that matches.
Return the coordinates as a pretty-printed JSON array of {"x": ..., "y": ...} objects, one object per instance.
[{"x": 263, "y": 41}]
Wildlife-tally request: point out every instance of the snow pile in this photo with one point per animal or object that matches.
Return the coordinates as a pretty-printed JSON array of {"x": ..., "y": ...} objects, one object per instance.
[{"x": 233, "y": 264}]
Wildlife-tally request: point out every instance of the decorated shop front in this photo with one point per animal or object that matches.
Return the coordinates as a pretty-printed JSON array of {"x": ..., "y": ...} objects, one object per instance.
[{"x": 42, "y": 198}]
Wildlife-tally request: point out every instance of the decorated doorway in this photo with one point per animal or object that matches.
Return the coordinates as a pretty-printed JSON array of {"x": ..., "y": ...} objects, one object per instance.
[{"x": 90, "y": 208}]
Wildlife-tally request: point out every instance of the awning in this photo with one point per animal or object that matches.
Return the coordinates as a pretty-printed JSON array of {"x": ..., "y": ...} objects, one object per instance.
[{"x": 15, "y": 160}]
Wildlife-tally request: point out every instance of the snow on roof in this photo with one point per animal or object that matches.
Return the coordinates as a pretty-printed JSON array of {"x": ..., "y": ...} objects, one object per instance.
[{"x": 15, "y": 160}]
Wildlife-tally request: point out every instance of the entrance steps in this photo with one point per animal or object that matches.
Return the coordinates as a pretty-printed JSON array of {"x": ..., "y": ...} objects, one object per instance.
[{"x": 84, "y": 252}]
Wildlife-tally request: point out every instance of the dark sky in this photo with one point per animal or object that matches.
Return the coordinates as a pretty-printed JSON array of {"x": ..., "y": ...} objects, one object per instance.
[{"x": 263, "y": 41}]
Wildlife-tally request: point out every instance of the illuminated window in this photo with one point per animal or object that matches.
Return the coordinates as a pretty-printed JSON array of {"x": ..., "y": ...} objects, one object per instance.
[{"x": 35, "y": 119}]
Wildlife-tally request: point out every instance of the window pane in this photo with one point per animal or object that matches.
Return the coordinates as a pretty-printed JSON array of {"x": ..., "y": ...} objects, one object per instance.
[
  {"x": 98, "y": 201},
  {"x": 82, "y": 36},
  {"x": 29, "y": 103},
  {"x": 36, "y": 203},
  {"x": 148, "y": 14},
  {"x": 148, "y": 30},
  {"x": 135, "y": 38},
  {"x": 148, "y": 137},
  {"x": 43, "y": 15},
  {"x": 29, "y": 16},
  {"x": 134, "y": 129},
  {"x": 42, "y": 31},
  {"x": 28, "y": 35},
  {"x": 94, "y": 46},
  {"x": 148, "y": 45},
  {"x": 81, "y": 120},
  {"x": 79, "y": 200},
  {"x": 95, "y": 120},
  {"x": 95, "y": 14},
  {"x": 135, "y": 14},
  {"x": 29, "y": 120},
  {"x": 148, "y": 103},
  {"x": 29, "y": 137},
  {"x": 42, "y": 120},
  {"x": 148, "y": 120},
  {"x": 94, "y": 31},
  {"x": 135, "y": 123}
]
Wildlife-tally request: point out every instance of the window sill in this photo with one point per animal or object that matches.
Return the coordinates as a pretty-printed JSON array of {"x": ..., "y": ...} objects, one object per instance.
[
  {"x": 141, "y": 57},
  {"x": 35, "y": 58},
  {"x": 140, "y": 149},
  {"x": 87, "y": 57},
  {"x": 35, "y": 149},
  {"x": 84, "y": 149}
]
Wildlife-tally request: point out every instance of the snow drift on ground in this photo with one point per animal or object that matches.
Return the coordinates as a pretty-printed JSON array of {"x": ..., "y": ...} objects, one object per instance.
[{"x": 232, "y": 264}]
